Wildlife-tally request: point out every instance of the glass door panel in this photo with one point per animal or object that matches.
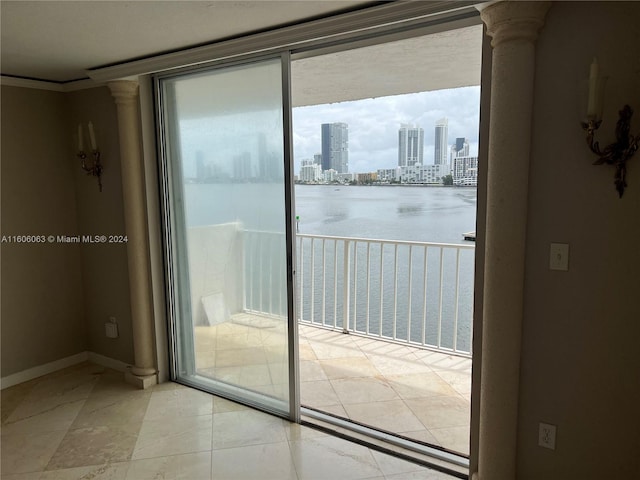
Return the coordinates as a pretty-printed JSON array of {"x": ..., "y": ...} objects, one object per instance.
[{"x": 223, "y": 133}]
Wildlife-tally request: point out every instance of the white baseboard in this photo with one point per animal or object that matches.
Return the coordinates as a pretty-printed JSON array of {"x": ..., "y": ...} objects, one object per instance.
[
  {"x": 108, "y": 362},
  {"x": 40, "y": 370}
]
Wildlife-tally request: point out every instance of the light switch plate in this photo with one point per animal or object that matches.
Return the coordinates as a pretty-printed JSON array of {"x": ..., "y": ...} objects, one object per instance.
[{"x": 559, "y": 257}]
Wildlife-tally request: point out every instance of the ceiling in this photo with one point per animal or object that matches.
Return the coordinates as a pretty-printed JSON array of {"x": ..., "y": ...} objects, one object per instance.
[
  {"x": 437, "y": 61},
  {"x": 58, "y": 40},
  {"x": 448, "y": 59}
]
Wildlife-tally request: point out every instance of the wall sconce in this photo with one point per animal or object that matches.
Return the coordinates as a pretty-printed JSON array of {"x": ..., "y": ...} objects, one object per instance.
[
  {"x": 95, "y": 168},
  {"x": 625, "y": 145}
]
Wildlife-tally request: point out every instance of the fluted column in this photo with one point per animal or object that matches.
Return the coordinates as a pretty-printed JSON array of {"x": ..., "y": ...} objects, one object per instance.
[
  {"x": 513, "y": 27},
  {"x": 125, "y": 94}
]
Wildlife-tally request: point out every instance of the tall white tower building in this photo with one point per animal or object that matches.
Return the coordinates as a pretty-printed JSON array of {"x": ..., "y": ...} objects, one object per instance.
[
  {"x": 410, "y": 145},
  {"x": 441, "y": 146}
]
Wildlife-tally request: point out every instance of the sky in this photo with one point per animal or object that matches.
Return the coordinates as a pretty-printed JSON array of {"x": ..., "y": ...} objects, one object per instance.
[{"x": 374, "y": 123}]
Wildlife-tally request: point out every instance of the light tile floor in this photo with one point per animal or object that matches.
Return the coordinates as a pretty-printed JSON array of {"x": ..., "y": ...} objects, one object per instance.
[
  {"x": 417, "y": 393},
  {"x": 85, "y": 423}
]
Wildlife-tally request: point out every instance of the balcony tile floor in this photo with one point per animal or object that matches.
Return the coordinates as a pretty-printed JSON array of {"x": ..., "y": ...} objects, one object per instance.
[
  {"x": 417, "y": 393},
  {"x": 85, "y": 422}
]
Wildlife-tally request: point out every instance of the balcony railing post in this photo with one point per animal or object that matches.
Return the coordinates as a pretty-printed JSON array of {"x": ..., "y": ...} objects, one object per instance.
[
  {"x": 440, "y": 312},
  {"x": 346, "y": 287}
]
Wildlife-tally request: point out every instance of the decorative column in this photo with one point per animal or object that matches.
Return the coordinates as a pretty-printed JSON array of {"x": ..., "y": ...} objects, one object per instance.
[
  {"x": 125, "y": 93},
  {"x": 513, "y": 27}
]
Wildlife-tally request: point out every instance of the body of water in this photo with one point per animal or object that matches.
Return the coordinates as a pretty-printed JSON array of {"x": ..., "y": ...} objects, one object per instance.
[
  {"x": 424, "y": 214},
  {"x": 421, "y": 214},
  {"x": 396, "y": 301}
]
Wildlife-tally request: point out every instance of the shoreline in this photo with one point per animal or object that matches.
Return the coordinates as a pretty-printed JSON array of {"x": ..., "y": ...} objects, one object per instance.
[{"x": 385, "y": 185}]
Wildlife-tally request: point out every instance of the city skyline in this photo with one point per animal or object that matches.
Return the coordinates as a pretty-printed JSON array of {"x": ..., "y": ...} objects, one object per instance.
[{"x": 374, "y": 123}]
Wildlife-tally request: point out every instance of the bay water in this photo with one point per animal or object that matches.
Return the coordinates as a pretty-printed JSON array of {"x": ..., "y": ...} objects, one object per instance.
[{"x": 420, "y": 310}]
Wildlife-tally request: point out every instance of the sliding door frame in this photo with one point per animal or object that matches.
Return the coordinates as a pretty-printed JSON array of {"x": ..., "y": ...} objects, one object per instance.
[
  {"x": 289, "y": 193},
  {"x": 174, "y": 228},
  {"x": 247, "y": 49}
]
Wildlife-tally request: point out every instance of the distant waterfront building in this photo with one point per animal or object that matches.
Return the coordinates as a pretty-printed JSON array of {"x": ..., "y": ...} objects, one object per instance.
[
  {"x": 441, "y": 145},
  {"x": 423, "y": 174},
  {"x": 346, "y": 177},
  {"x": 465, "y": 171},
  {"x": 335, "y": 147},
  {"x": 268, "y": 164},
  {"x": 330, "y": 175},
  {"x": 201, "y": 168},
  {"x": 410, "y": 145},
  {"x": 242, "y": 167},
  {"x": 388, "y": 175},
  {"x": 317, "y": 159},
  {"x": 459, "y": 149},
  {"x": 364, "y": 178},
  {"x": 310, "y": 173}
]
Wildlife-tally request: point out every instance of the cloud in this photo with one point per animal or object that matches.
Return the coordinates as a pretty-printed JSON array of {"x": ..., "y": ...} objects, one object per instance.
[{"x": 374, "y": 122}]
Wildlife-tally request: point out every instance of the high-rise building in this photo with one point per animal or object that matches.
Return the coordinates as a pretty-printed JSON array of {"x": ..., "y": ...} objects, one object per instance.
[
  {"x": 459, "y": 149},
  {"x": 423, "y": 174},
  {"x": 201, "y": 168},
  {"x": 410, "y": 145},
  {"x": 310, "y": 172},
  {"x": 441, "y": 146},
  {"x": 335, "y": 147},
  {"x": 330, "y": 176},
  {"x": 269, "y": 168},
  {"x": 465, "y": 171},
  {"x": 242, "y": 167},
  {"x": 462, "y": 147}
]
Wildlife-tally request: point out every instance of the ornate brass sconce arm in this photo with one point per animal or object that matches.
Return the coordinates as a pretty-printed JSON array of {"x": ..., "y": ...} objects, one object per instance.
[
  {"x": 94, "y": 169},
  {"x": 617, "y": 153}
]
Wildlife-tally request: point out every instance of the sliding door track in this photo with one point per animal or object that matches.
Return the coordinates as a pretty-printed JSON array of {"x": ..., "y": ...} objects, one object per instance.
[{"x": 420, "y": 453}]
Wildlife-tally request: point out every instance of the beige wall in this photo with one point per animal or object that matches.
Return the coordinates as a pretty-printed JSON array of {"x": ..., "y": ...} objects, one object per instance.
[
  {"x": 104, "y": 266},
  {"x": 57, "y": 297},
  {"x": 580, "y": 365},
  {"x": 42, "y": 288}
]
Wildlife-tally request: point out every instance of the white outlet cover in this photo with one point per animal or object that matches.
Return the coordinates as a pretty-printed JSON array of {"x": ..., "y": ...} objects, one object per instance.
[
  {"x": 547, "y": 436},
  {"x": 111, "y": 330},
  {"x": 559, "y": 257}
]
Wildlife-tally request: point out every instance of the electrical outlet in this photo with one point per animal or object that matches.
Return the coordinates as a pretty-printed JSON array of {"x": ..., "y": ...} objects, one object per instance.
[
  {"x": 559, "y": 257},
  {"x": 547, "y": 436},
  {"x": 111, "y": 328}
]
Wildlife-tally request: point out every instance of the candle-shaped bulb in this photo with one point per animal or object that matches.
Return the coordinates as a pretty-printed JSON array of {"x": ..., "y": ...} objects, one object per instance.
[
  {"x": 80, "y": 139},
  {"x": 592, "y": 105},
  {"x": 92, "y": 137}
]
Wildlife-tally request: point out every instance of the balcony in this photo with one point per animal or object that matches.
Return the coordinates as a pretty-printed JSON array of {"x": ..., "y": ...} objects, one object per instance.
[
  {"x": 420, "y": 394},
  {"x": 397, "y": 358}
]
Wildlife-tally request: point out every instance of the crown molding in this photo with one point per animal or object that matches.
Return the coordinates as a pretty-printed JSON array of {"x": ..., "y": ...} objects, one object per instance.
[
  {"x": 73, "y": 86},
  {"x": 29, "y": 83},
  {"x": 83, "y": 84}
]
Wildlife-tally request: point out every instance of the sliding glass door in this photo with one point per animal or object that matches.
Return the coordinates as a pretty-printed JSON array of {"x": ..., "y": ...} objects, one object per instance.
[
  {"x": 225, "y": 137},
  {"x": 224, "y": 134}
]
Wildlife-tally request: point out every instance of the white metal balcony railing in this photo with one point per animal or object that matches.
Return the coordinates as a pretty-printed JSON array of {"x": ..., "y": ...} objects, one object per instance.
[{"x": 417, "y": 293}]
